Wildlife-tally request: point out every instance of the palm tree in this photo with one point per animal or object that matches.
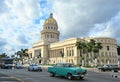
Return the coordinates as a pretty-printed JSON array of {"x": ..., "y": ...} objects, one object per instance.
[
  {"x": 22, "y": 54},
  {"x": 91, "y": 45},
  {"x": 88, "y": 52},
  {"x": 96, "y": 49},
  {"x": 81, "y": 46},
  {"x": 88, "y": 47},
  {"x": 3, "y": 55},
  {"x": 19, "y": 56}
]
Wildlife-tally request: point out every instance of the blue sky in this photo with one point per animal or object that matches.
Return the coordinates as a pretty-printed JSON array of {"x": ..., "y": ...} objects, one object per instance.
[{"x": 21, "y": 20}]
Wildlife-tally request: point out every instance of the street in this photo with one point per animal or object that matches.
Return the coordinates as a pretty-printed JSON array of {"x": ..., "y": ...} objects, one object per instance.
[{"x": 23, "y": 75}]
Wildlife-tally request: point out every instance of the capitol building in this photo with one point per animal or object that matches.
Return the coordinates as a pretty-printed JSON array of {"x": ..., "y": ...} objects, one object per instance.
[{"x": 49, "y": 49}]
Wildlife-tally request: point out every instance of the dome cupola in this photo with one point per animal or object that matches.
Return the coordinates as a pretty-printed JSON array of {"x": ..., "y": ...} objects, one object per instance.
[
  {"x": 50, "y": 31},
  {"x": 50, "y": 20}
]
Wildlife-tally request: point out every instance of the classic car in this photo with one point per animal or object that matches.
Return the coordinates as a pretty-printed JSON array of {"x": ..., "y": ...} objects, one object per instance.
[
  {"x": 109, "y": 67},
  {"x": 67, "y": 70}
]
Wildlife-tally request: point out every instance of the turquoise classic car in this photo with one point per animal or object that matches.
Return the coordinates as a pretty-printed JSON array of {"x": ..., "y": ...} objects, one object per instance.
[{"x": 67, "y": 70}]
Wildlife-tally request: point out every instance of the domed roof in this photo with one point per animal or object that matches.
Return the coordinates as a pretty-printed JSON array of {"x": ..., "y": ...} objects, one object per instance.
[{"x": 50, "y": 20}]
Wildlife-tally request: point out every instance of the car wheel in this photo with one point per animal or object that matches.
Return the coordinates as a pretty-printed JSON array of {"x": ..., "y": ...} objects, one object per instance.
[
  {"x": 116, "y": 70},
  {"x": 81, "y": 77},
  {"x": 28, "y": 69},
  {"x": 33, "y": 69},
  {"x": 52, "y": 74},
  {"x": 40, "y": 70},
  {"x": 69, "y": 76}
]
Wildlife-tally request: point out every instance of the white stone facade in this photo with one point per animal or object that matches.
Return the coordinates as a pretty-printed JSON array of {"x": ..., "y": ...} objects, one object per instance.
[{"x": 50, "y": 49}]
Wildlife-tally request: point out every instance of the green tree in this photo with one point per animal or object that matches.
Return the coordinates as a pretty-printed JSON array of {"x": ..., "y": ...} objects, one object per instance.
[
  {"x": 22, "y": 54},
  {"x": 81, "y": 46},
  {"x": 92, "y": 46},
  {"x": 87, "y": 48},
  {"x": 95, "y": 50},
  {"x": 3, "y": 55}
]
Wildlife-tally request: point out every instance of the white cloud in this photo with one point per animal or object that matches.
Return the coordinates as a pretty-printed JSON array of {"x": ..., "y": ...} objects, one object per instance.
[
  {"x": 25, "y": 9},
  {"x": 108, "y": 29},
  {"x": 17, "y": 23},
  {"x": 77, "y": 18}
]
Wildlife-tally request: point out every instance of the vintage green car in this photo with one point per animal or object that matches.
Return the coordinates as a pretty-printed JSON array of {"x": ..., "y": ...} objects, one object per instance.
[{"x": 67, "y": 70}]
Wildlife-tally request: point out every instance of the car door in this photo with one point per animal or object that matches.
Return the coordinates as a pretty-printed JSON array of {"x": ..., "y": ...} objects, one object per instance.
[
  {"x": 61, "y": 70},
  {"x": 58, "y": 69}
]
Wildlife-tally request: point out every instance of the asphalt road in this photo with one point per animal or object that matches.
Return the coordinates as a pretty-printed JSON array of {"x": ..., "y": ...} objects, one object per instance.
[
  {"x": 6, "y": 78},
  {"x": 22, "y": 75}
]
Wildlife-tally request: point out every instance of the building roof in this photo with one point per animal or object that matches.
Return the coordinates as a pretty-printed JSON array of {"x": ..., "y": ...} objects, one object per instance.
[{"x": 50, "y": 20}]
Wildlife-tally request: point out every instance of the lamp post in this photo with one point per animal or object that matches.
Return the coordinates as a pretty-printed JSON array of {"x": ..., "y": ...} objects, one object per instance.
[{"x": 62, "y": 55}]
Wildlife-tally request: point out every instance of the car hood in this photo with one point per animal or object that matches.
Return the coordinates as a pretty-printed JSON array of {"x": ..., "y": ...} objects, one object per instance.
[{"x": 79, "y": 69}]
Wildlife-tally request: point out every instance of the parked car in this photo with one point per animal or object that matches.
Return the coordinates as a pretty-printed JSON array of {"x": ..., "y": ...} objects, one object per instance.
[
  {"x": 18, "y": 66},
  {"x": 114, "y": 68},
  {"x": 67, "y": 70},
  {"x": 34, "y": 67}
]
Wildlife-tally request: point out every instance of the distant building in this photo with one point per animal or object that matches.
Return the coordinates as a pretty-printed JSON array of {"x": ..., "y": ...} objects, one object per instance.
[{"x": 49, "y": 49}]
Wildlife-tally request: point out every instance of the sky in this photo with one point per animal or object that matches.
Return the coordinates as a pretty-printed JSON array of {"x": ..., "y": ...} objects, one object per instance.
[{"x": 21, "y": 20}]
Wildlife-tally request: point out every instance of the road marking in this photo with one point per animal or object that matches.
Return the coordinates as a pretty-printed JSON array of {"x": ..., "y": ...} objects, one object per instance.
[{"x": 18, "y": 79}]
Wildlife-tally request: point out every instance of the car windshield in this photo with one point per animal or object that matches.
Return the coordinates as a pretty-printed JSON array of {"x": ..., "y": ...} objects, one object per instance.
[
  {"x": 69, "y": 65},
  {"x": 35, "y": 65},
  {"x": 114, "y": 65}
]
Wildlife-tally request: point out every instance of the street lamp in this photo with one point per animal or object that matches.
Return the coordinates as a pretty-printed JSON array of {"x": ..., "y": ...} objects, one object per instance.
[{"x": 62, "y": 55}]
